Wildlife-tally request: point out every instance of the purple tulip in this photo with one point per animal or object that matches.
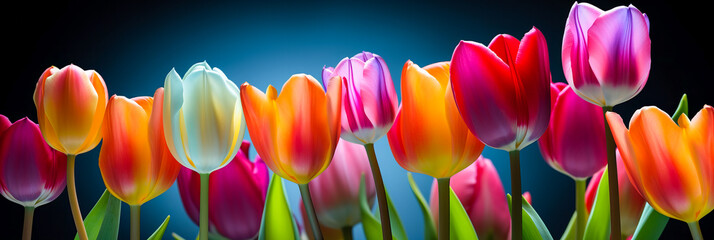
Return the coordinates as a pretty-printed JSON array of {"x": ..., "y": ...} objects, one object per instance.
[
  {"x": 369, "y": 101},
  {"x": 31, "y": 172},
  {"x": 236, "y": 195},
  {"x": 606, "y": 54}
]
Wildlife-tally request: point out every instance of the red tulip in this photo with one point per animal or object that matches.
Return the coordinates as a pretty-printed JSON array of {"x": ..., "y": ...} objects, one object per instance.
[
  {"x": 236, "y": 195},
  {"x": 31, "y": 172},
  {"x": 503, "y": 91},
  {"x": 574, "y": 142}
]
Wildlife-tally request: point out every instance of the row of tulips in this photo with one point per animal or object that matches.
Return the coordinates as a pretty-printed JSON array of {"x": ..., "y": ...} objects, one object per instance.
[{"x": 499, "y": 95}]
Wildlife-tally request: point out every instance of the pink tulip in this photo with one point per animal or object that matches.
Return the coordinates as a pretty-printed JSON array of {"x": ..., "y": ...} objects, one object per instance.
[
  {"x": 31, "y": 172},
  {"x": 236, "y": 195},
  {"x": 335, "y": 193},
  {"x": 631, "y": 202},
  {"x": 606, "y": 54},
  {"x": 481, "y": 193},
  {"x": 574, "y": 142},
  {"x": 502, "y": 91},
  {"x": 369, "y": 101}
]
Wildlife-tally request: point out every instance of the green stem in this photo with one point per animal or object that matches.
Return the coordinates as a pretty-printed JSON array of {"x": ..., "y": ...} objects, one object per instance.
[
  {"x": 517, "y": 203},
  {"x": 581, "y": 216},
  {"x": 310, "y": 210},
  {"x": 73, "y": 202},
  {"x": 135, "y": 213},
  {"x": 203, "y": 210},
  {"x": 444, "y": 208},
  {"x": 27, "y": 227},
  {"x": 696, "y": 231},
  {"x": 612, "y": 176},
  {"x": 381, "y": 192},
  {"x": 347, "y": 233}
]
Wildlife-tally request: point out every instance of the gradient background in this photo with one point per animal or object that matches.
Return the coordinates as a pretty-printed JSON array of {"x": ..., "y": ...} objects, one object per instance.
[{"x": 134, "y": 45}]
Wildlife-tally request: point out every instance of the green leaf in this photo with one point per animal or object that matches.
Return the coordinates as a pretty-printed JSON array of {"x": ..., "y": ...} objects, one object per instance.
[
  {"x": 277, "y": 222},
  {"x": 569, "y": 233},
  {"x": 598, "y": 226},
  {"x": 533, "y": 226},
  {"x": 371, "y": 223},
  {"x": 102, "y": 222},
  {"x": 460, "y": 223},
  {"x": 176, "y": 236},
  {"x": 682, "y": 108},
  {"x": 159, "y": 233},
  {"x": 651, "y": 224},
  {"x": 429, "y": 227}
]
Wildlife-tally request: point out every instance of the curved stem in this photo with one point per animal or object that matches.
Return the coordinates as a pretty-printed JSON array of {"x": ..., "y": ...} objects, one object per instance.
[
  {"x": 444, "y": 208},
  {"x": 73, "y": 202},
  {"x": 203, "y": 210},
  {"x": 516, "y": 203},
  {"x": 310, "y": 210},
  {"x": 581, "y": 216},
  {"x": 381, "y": 192},
  {"x": 696, "y": 231},
  {"x": 135, "y": 213},
  {"x": 612, "y": 175},
  {"x": 347, "y": 233},
  {"x": 27, "y": 227}
]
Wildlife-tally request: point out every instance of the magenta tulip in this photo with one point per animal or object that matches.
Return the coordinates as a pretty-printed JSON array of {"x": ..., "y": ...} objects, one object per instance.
[
  {"x": 574, "y": 142},
  {"x": 236, "y": 195},
  {"x": 369, "y": 101},
  {"x": 481, "y": 193},
  {"x": 335, "y": 193},
  {"x": 31, "y": 172},
  {"x": 606, "y": 54}
]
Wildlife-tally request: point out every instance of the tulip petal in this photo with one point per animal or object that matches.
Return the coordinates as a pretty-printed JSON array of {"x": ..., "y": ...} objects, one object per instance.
[
  {"x": 619, "y": 47},
  {"x": 378, "y": 93},
  {"x": 576, "y": 65},
  {"x": 4, "y": 123},
  {"x": 48, "y": 131},
  {"x": 165, "y": 168},
  {"x": 174, "y": 132},
  {"x": 533, "y": 68}
]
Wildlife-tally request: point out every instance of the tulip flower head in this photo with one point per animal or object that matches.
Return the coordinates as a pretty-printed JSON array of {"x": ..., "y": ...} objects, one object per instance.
[
  {"x": 428, "y": 135},
  {"x": 631, "y": 202},
  {"x": 606, "y": 54},
  {"x": 503, "y": 91},
  {"x": 135, "y": 162},
  {"x": 481, "y": 193},
  {"x": 335, "y": 193},
  {"x": 574, "y": 142},
  {"x": 31, "y": 172},
  {"x": 70, "y": 107},
  {"x": 297, "y": 131},
  {"x": 670, "y": 164},
  {"x": 203, "y": 120},
  {"x": 369, "y": 101},
  {"x": 236, "y": 195}
]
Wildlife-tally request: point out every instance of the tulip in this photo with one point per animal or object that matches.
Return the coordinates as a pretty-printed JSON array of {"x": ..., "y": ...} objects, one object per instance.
[
  {"x": 481, "y": 193},
  {"x": 439, "y": 144},
  {"x": 369, "y": 102},
  {"x": 32, "y": 174},
  {"x": 70, "y": 106},
  {"x": 606, "y": 54},
  {"x": 606, "y": 60},
  {"x": 502, "y": 92},
  {"x": 335, "y": 192},
  {"x": 670, "y": 164},
  {"x": 295, "y": 133},
  {"x": 369, "y": 107},
  {"x": 574, "y": 143},
  {"x": 237, "y": 195},
  {"x": 203, "y": 124},
  {"x": 631, "y": 202},
  {"x": 135, "y": 162}
]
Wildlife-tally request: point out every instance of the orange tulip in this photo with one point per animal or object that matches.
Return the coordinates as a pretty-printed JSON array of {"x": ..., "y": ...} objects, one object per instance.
[
  {"x": 295, "y": 133},
  {"x": 70, "y": 107},
  {"x": 429, "y": 136},
  {"x": 670, "y": 164},
  {"x": 135, "y": 162}
]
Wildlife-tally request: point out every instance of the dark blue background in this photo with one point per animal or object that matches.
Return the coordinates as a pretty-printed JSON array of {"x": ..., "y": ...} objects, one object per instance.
[{"x": 134, "y": 45}]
